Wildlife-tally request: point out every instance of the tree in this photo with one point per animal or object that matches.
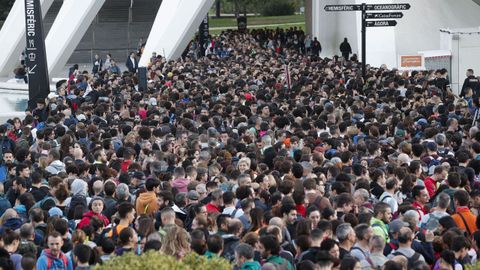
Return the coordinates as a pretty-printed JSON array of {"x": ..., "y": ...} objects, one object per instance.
[{"x": 217, "y": 8}]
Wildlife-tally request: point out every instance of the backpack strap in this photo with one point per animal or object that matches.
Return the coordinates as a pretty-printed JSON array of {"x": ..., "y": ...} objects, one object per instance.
[
  {"x": 63, "y": 257},
  {"x": 465, "y": 223},
  {"x": 397, "y": 253},
  {"x": 114, "y": 232},
  {"x": 234, "y": 213},
  {"x": 387, "y": 196},
  {"x": 392, "y": 245},
  {"x": 415, "y": 257},
  {"x": 361, "y": 250}
]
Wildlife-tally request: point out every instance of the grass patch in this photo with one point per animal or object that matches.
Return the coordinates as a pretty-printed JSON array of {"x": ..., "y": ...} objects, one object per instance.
[{"x": 257, "y": 20}]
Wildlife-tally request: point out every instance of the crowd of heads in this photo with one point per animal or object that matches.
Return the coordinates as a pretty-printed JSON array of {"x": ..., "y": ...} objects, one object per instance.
[{"x": 260, "y": 152}]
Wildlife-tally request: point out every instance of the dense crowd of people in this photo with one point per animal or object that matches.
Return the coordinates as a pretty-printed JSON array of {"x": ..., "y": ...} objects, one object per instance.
[{"x": 261, "y": 152}]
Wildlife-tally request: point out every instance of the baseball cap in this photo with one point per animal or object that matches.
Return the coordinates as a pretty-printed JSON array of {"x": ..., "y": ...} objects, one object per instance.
[{"x": 396, "y": 225}]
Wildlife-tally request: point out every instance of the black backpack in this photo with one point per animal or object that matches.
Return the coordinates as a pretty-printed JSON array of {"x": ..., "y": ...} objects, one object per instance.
[
  {"x": 412, "y": 261},
  {"x": 76, "y": 201}
]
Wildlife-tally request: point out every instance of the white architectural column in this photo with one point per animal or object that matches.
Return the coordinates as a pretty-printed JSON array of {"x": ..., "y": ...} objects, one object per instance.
[
  {"x": 155, "y": 42},
  {"x": 71, "y": 23},
  {"x": 171, "y": 34},
  {"x": 12, "y": 36}
]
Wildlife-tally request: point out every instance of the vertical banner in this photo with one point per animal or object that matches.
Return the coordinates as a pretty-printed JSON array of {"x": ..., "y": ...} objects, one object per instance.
[
  {"x": 203, "y": 33},
  {"x": 36, "y": 58}
]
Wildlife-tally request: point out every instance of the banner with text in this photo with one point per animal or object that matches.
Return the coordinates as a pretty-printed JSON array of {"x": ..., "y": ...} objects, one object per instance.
[{"x": 36, "y": 58}]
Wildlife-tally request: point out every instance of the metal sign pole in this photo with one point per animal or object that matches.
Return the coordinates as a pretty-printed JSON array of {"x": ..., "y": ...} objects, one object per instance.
[{"x": 364, "y": 41}]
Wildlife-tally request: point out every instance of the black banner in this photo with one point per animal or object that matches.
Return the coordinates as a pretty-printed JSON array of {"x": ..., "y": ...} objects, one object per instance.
[
  {"x": 38, "y": 81},
  {"x": 203, "y": 33},
  {"x": 242, "y": 23}
]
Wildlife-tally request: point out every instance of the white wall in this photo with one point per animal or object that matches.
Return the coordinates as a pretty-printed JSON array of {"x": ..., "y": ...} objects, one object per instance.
[
  {"x": 465, "y": 55},
  {"x": 69, "y": 26},
  {"x": 417, "y": 31},
  {"x": 12, "y": 36}
]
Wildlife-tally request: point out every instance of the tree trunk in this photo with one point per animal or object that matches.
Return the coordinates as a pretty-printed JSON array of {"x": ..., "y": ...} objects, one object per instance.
[
  {"x": 217, "y": 8},
  {"x": 237, "y": 9}
]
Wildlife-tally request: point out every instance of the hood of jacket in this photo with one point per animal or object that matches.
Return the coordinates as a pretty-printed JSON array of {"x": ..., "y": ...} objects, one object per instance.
[
  {"x": 181, "y": 184},
  {"x": 147, "y": 197},
  {"x": 79, "y": 187},
  {"x": 55, "y": 167}
]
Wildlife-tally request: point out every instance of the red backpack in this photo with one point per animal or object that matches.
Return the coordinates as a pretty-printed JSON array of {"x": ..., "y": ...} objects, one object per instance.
[{"x": 63, "y": 257}]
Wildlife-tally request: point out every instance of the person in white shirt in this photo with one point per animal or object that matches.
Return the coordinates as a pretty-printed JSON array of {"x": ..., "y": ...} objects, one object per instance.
[
  {"x": 229, "y": 202},
  {"x": 388, "y": 195}
]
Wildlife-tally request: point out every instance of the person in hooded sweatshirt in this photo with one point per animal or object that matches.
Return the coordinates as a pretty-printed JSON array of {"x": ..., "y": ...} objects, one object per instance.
[
  {"x": 147, "y": 201},
  {"x": 56, "y": 165},
  {"x": 96, "y": 207},
  {"x": 79, "y": 196},
  {"x": 180, "y": 182}
]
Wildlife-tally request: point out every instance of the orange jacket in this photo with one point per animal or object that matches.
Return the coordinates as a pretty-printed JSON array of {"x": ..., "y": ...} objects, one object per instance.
[{"x": 469, "y": 219}]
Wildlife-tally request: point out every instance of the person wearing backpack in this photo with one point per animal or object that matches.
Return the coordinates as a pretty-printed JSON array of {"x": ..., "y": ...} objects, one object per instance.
[
  {"x": 389, "y": 196},
  {"x": 463, "y": 216},
  {"x": 270, "y": 249},
  {"x": 430, "y": 221},
  {"x": 53, "y": 258},
  {"x": 405, "y": 240}
]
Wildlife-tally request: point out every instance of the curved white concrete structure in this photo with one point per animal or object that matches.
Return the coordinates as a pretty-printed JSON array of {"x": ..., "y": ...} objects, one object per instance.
[
  {"x": 68, "y": 29},
  {"x": 12, "y": 36},
  {"x": 175, "y": 25}
]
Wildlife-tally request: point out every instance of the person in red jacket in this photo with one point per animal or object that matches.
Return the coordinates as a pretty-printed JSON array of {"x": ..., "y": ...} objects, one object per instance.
[
  {"x": 439, "y": 174},
  {"x": 96, "y": 207}
]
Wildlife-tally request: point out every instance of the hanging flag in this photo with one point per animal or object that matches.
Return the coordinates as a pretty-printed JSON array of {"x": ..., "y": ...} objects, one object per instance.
[{"x": 288, "y": 78}]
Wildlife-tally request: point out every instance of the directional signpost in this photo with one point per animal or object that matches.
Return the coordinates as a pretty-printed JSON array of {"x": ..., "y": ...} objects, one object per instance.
[
  {"x": 343, "y": 8},
  {"x": 381, "y": 23},
  {"x": 384, "y": 15},
  {"x": 375, "y": 16}
]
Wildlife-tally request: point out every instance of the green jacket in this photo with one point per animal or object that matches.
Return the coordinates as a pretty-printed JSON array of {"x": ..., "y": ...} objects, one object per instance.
[
  {"x": 380, "y": 228},
  {"x": 251, "y": 266},
  {"x": 277, "y": 260}
]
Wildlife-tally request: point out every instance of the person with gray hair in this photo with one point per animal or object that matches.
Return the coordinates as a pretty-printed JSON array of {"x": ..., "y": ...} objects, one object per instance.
[
  {"x": 430, "y": 221},
  {"x": 244, "y": 257},
  {"x": 27, "y": 237},
  {"x": 346, "y": 237},
  {"x": 360, "y": 198},
  {"x": 122, "y": 192},
  {"x": 377, "y": 259}
]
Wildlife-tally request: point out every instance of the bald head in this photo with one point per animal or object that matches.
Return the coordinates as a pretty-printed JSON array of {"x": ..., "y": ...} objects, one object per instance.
[
  {"x": 97, "y": 187},
  {"x": 276, "y": 221}
]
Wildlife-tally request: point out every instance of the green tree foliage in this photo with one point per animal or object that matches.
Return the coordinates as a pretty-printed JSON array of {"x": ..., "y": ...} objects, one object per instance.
[
  {"x": 5, "y": 6},
  {"x": 155, "y": 260},
  {"x": 278, "y": 8}
]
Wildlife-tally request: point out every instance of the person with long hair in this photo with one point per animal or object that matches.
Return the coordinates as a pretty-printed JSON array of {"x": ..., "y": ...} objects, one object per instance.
[
  {"x": 176, "y": 242},
  {"x": 256, "y": 215}
]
